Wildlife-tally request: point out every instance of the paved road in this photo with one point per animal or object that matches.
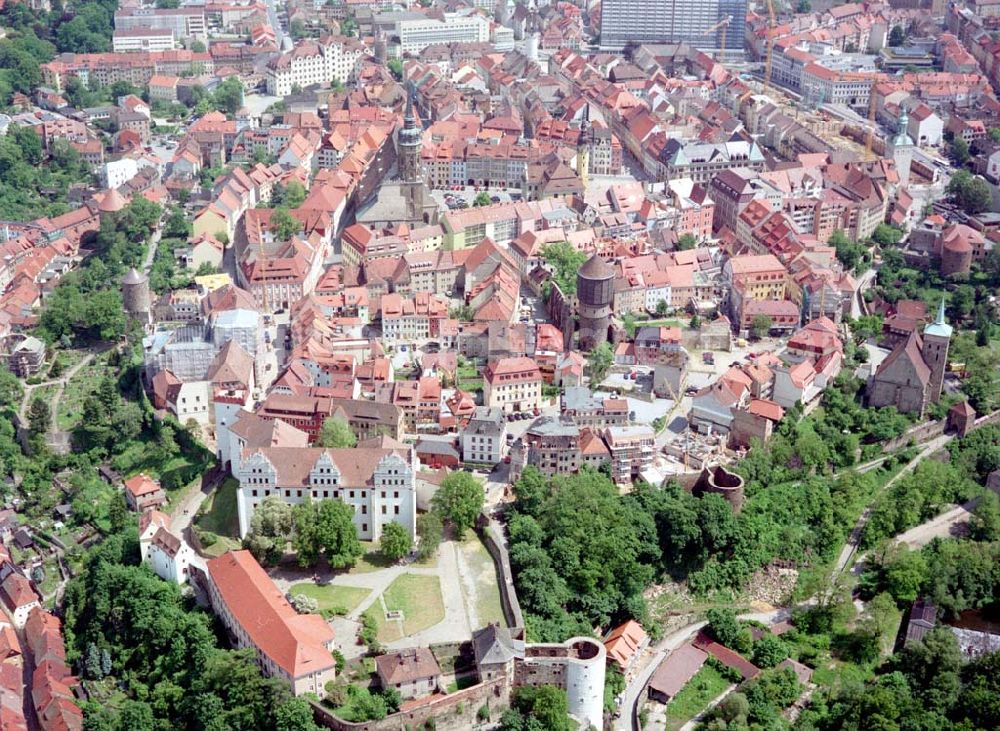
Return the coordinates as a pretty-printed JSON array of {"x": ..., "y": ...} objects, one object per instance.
[
  {"x": 154, "y": 242},
  {"x": 943, "y": 526},
  {"x": 459, "y": 600},
  {"x": 849, "y": 553},
  {"x": 183, "y": 514}
]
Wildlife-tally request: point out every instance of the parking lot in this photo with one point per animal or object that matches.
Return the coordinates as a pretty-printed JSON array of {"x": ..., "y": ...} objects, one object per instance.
[{"x": 464, "y": 197}]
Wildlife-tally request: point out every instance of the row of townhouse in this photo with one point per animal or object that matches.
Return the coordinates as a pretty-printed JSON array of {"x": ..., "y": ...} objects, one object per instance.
[{"x": 135, "y": 68}]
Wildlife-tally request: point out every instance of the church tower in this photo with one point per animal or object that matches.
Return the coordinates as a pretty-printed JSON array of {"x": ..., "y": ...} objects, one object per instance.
[
  {"x": 409, "y": 141},
  {"x": 583, "y": 148},
  {"x": 937, "y": 337},
  {"x": 901, "y": 148}
]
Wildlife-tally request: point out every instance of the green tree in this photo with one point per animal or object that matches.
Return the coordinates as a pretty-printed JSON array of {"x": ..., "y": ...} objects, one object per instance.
[
  {"x": 727, "y": 629},
  {"x": 761, "y": 326},
  {"x": 686, "y": 241},
  {"x": 336, "y": 433},
  {"x": 661, "y": 308},
  {"x": 39, "y": 416},
  {"x": 971, "y": 192},
  {"x": 336, "y": 534},
  {"x": 482, "y": 199},
  {"x": 396, "y": 67},
  {"x": 294, "y": 196},
  {"x": 565, "y": 260},
  {"x": 396, "y": 542},
  {"x": 896, "y": 36},
  {"x": 284, "y": 225},
  {"x": 542, "y": 707},
  {"x": 886, "y": 235},
  {"x": 295, "y": 714},
  {"x": 270, "y": 529},
  {"x": 429, "y": 531},
  {"x": 297, "y": 29},
  {"x": 768, "y": 651},
  {"x": 228, "y": 96},
  {"x": 459, "y": 500},
  {"x": 906, "y": 575},
  {"x": 960, "y": 151},
  {"x": 599, "y": 361}
]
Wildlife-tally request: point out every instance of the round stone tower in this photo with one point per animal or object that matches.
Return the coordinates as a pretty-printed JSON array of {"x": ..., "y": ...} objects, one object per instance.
[
  {"x": 595, "y": 290},
  {"x": 135, "y": 294}
]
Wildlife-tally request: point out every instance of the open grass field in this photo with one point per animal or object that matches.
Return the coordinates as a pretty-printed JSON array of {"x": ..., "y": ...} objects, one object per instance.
[
  {"x": 418, "y": 597},
  {"x": 218, "y": 513},
  {"x": 483, "y": 575},
  {"x": 331, "y": 597},
  {"x": 705, "y": 686},
  {"x": 218, "y": 516}
]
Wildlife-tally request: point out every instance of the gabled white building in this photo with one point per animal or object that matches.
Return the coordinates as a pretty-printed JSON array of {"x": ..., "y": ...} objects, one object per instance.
[
  {"x": 168, "y": 555},
  {"x": 377, "y": 482}
]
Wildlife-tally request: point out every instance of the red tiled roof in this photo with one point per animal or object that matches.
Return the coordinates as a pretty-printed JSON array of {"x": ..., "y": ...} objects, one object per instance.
[{"x": 297, "y": 643}]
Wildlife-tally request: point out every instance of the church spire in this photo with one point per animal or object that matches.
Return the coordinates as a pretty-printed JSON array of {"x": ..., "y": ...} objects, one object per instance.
[{"x": 408, "y": 118}]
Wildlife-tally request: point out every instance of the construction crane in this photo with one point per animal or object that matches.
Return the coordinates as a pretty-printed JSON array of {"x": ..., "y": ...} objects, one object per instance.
[
  {"x": 770, "y": 46},
  {"x": 722, "y": 25},
  {"x": 870, "y": 133}
]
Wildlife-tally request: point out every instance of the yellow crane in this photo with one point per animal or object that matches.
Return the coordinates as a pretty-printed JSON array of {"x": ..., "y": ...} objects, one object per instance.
[
  {"x": 870, "y": 133},
  {"x": 770, "y": 45},
  {"x": 722, "y": 25}
]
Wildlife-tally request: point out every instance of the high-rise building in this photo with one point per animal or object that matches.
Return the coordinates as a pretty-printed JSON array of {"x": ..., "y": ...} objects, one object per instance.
[{"x": 699, "y": 24}]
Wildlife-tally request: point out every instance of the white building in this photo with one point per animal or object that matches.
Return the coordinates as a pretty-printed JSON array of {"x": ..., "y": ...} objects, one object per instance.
[
  {"x": 116, "y": 173},
  {"x": 484, "y": 438},
  {"x": 168, "y": 555},
  {"x": 416, "y": 35},
  {"x": 331, "y": 58},
  {"x": 142, "y": 39},
  {"x": 513, "y": 384},
  {"x": 377, "y": 482}
]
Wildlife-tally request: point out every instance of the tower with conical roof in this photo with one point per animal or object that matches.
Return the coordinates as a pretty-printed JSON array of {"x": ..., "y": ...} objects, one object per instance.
[
  {"x": 901, "y": 147},
  {"x": 136, "y": 297},
  {"x": 936, "y": 339},
  {"x": 595, "y": 291},
  {"x": 409, "y": 142}
]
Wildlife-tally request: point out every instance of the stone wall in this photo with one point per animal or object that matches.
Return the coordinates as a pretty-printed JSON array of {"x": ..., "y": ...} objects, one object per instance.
[
  {"x": 916, "y": 434},
  {"x": 457, "y": 711},
  {"x": 493, "y": 539}
]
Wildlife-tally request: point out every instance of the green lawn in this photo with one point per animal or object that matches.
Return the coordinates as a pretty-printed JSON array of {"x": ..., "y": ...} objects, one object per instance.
[
  {"x": 701, "y": 690},
  {"x": 218, "y": 512},
  {"x": 420, "y": 600},
  {"x": 332, "y": 597},
  {"x": 218, "y": 516},
  {"x": 483, "y": 570},
  {"x": 373, "y": 560}
]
